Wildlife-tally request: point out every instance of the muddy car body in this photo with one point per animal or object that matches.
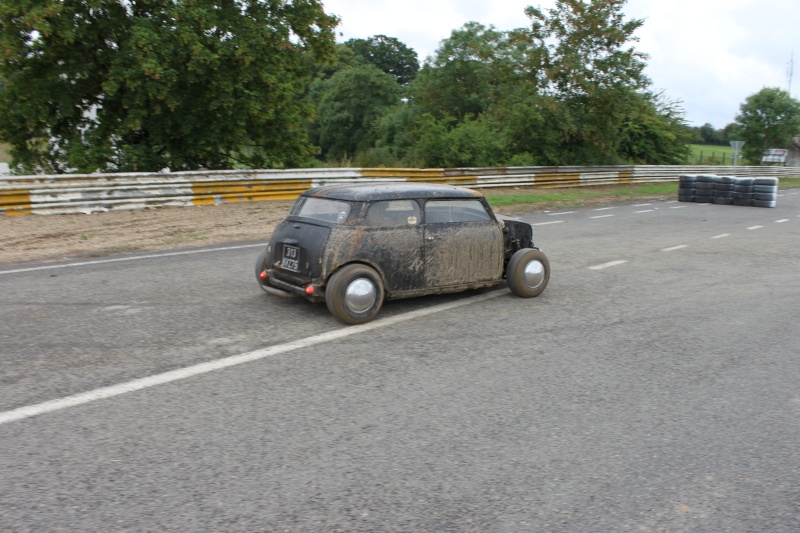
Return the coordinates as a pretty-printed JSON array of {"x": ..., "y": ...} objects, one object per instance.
[{"x": 354, "y": 246}]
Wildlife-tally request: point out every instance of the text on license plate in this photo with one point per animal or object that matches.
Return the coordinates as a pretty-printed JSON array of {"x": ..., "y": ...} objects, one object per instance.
[{"x": 291, "y": 258}]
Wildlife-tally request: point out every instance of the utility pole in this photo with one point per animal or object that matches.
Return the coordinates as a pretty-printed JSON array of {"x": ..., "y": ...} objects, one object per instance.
[{"x": 790, "y": 73}]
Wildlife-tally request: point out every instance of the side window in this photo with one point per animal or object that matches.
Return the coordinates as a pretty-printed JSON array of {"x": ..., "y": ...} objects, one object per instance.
[
  {"x": 441, "y": 211},
  {"x": 393, "y": 213}
]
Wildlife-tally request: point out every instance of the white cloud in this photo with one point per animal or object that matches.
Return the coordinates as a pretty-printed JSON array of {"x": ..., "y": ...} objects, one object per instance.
[{"x": 710, "y": 54}]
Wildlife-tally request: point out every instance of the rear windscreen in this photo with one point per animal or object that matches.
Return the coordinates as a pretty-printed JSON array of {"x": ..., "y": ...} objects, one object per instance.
[{"x": 321, "y": 209}]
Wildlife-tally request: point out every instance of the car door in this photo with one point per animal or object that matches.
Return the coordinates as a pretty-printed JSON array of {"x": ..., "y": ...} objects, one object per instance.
[
  {"x": 463, "y": 243},
  {"x": 392, "y": 241}
]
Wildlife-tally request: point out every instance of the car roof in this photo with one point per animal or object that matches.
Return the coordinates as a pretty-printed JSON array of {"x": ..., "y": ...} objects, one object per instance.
[{"x": 362, "y": 192}]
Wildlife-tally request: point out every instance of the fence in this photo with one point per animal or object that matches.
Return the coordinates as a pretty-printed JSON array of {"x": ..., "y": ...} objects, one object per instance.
[{"x": 89, "y": 193}]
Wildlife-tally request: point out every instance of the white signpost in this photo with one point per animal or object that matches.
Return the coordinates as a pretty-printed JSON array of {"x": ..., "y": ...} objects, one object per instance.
[{"x": 736, "y": 145}]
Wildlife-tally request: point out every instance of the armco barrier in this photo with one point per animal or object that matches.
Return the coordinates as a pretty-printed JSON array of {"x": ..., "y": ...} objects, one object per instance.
[{"x": 88, "y": 193}]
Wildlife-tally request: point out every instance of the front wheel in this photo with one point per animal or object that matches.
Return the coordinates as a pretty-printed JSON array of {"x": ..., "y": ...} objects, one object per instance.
[
  {"x": 528, "y": 272},
  {"x": 354, "y": 294}
]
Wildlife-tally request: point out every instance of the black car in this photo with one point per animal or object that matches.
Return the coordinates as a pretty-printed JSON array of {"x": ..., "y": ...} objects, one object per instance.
[{"x": 354, "y": 246}]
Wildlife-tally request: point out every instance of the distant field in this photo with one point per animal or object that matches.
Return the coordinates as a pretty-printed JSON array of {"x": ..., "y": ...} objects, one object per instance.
[{"x": 709, "y": 154}]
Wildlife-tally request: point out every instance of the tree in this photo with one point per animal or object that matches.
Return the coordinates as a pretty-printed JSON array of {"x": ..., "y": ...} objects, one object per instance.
[
  {"x": 654, "y": 132},
  {"x": 350, "y": 104},
  {"x": 142, "y": 85},
  {"x": 458, "y": 81},
  {"x": 767, "y": 119},
  {"x": 388, "y": 54},
  {"x": 582, "y": 56}
]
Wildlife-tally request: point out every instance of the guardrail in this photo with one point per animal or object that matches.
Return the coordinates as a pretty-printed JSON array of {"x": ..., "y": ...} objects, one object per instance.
[{"x": 89, "y": 193}]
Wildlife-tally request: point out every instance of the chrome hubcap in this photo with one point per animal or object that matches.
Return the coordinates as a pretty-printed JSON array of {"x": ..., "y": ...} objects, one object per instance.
[
  {"x": 360, "y": 295},
  {"x": 534, "y": 274}
]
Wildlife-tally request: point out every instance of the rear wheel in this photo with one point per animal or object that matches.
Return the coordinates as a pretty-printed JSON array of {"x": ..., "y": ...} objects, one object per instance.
[
  {"x": 354, "y": 294},
  {"x": 528, "y": 272}
]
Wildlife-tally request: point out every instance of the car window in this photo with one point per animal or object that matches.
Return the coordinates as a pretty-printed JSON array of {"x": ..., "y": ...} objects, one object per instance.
[
  {"x": 321, "y": 209},
  {"x": 441, "y": 211},
  {"x": 393, "y": 213}
]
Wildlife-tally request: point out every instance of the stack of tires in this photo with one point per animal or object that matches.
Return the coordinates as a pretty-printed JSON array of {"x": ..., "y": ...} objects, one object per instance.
[
  {"x": 723, "y": 190},
  {"x": 705, "y": 188},
  {"x": 743, "y": 192},
  {"x": 765, "y": 192},
  {"x": 726, "y": 190},
  {"x": 686, "y": 187}
]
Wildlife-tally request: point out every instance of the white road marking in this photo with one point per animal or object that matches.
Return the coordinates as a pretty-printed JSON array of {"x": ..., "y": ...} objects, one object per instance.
[
  {"x": 606, "y": 265},
  {"x": 546, "y": 223},
  {"x": 755, "y": 227},
  {"x": 602, "y": 216},
  {"x": 678, "y": 207},
  {"x": 675, "y": 248},
  {"x": 604, "y": 208},
  {"x": 641, "y": 205},
  {"x": 721, "y": 236},
  {"x": 646, "y": 211},
  {"x": 228, "y": 362},
  {"x": 561, "y": 213},
  {"x": 132, "y": 258},
  {"x": 782, "y": 220}
]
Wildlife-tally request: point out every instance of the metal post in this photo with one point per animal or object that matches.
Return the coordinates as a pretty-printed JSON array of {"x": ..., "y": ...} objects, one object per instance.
[{"x": 736, "y": 145}]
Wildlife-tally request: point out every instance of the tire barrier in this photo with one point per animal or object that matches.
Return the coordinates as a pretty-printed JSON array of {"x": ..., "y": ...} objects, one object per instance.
[
  {"x": 90, "y": 193},
  {"x": 727, "y": 190}
]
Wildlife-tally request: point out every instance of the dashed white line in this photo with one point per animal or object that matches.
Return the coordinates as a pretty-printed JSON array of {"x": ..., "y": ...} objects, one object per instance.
[
  {"x": 132, "y": 258},
  {"x": 227, "y": 362},
  {"x": 671, "y": 248},
  {"x": 602, "y": 216},
  {"x": 546, "y": 223},
  {"x": 641, "y": 205},
  {"x": 606, "y": 265},
  {"x": 755, "y": 227},
  {"x": 721, "y": 236},
  {"x": 560, "y": 213},
  {"x": 678, "y": 207},
  {"x": 645, "y": 211},
  {"x": 604, "y": 208},
  {"x": 782, "y": 220}
]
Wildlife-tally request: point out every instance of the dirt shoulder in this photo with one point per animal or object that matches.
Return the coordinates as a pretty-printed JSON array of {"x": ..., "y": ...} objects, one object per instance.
[{"x": 68, "y": 237}]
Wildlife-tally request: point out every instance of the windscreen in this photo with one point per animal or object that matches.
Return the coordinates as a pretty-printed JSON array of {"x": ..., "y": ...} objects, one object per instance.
[{"x": 322, "y": 209}]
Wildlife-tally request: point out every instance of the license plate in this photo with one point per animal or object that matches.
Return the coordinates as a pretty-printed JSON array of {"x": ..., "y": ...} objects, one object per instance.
[{"x": 291, "y": 258}]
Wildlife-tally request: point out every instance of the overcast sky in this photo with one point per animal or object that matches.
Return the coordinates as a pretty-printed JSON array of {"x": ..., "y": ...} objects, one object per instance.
[{"x": 709, "y": 54}]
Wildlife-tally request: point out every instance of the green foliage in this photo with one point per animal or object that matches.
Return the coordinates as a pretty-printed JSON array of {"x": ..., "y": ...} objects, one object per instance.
[
  {"x": 471, "y": 143},
  {"x": 185, "y": 84},
  {"x": 109, "y": 85},
  {"x": 461, "y": 78},
  {"x": 592, "y": 72},
  {"x": 349, "y": 105},
  {"x": 653, "y": 132},
  {"x": 767, "y": 119},
  {"x": 388, "y": 54}
]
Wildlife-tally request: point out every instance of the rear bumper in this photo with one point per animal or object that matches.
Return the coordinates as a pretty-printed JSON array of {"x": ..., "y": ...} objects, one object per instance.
[{"x": 296, "y": 290}]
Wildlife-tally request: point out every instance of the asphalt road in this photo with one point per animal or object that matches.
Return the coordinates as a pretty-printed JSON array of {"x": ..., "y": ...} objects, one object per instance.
[{"x": 652, "y": 387}]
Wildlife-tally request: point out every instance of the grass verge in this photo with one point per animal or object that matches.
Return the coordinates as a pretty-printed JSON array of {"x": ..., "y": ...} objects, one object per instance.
[{"x": 577, "y": 197}]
